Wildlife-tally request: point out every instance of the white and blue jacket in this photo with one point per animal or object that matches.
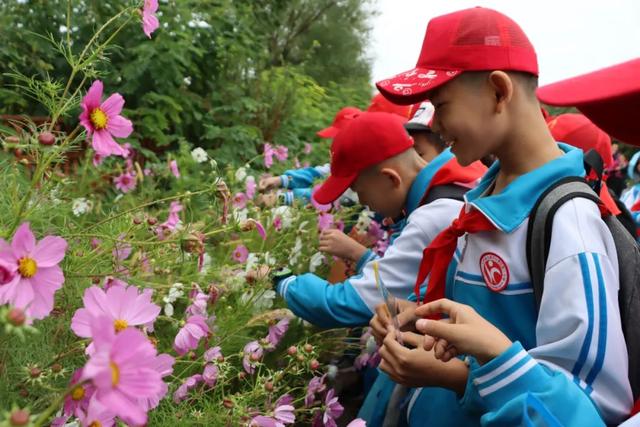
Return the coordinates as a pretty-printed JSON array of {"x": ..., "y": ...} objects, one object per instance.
[
  {"x": 631, "y": 195},
  {"x": 571, "y": 355},
  {"x": 353, "y": 302},
  {"x": 299, "y": 182}
]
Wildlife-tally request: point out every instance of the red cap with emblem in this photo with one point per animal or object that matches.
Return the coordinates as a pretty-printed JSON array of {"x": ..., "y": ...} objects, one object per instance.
[
  {"x": 342, "y": 118},
  {"x": 367, "y": 140},
  {"x": 379, "y": 104},
  {"x": 476, "y": 39}
]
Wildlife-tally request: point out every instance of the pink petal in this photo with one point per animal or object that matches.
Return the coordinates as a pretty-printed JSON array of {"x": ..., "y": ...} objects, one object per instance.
[
  {"x": 94, "y": 95},
  {"x": 163, "y": 363},
  {"x": 144, "y": 311},
  {"x": 49, "y": 251},
  {"x": 96, "y": 302},
  {"x": 112, "y": 106},
  {"x": 81, "y": 323},
  {"x": 105, "y": 146},
  {"x": 126, "y": 409},
  {"x": 7, "y": 292},
  {"x": 150, "y": 6},
  {"x": 23, "y": 241},
  {"x": 140, "y": 383},
  {"x": 23, "y": 295},
  {"x": 132, "y": 346},
  {"x": 45, "y": 283},
  {"x": 119, "y": 127},
  {"x": 150, "y": 23}
]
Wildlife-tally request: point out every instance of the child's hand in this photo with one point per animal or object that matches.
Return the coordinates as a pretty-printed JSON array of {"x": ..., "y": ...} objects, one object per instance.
[
  {"x": 381, "y": 321},
  {"x": 336, "y": 243},
  {"x": 267, "y": 200},
  {"x": 269, "y": 183},
  {"x": 418, "y": 367},
  {"x": 259, "y": 273},
  {"x": 464, "y": 332}
]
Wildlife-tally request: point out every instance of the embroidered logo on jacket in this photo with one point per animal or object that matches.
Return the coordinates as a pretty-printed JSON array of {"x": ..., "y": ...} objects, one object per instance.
[{"x": 494, "y": 271}]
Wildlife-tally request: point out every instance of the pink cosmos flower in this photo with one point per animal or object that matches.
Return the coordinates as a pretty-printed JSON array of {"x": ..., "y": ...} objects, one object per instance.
[
  {"x": 110, "y": 282},
  {"x": 150, "y": 22},
  {"x": 281, "y": 152},
  {"x": 35, "y": 270},
  {"x": 173, "y": 166},
  {"x": 239, "y": 200},
  {"x": 97, "y": 414},
  {"x": 240, "y": 254},
  {"x": 268, "y": 152},
  {"x": 277, "y": 331},
  {"x": 316, "y": 385},
  {"x": 198, "y": 306},
  {"x": 122, "y": 371},
  {"x": 125, "y": 182},
  {"x": 252, "y": 354},
  {"x": 333, "y": 409},
  {"x": 103, "y": 121},
  {"x": 307, "y": 148},
  {"x": 123, "y": 306},
  {"x": 210, "y": 374},
  {"x": 97, "y": 159},
  {"x": 252, "y": 223},
  {"x": 319, "y": 207},
  {"x": 181, "y": 393},
  {"x": 213, "y": 354},
  {"x": 250, "y": 187},
  {"x": 163, "y": 364},
  {"x": 283, "y": 414},
  {"x": 190, "y": 334},
  {"x": 78, "y": 399},
  {"x": 172, "y": 221},
  {"x": 325, "y": 221},
  {"x": 277, "y": 223}
]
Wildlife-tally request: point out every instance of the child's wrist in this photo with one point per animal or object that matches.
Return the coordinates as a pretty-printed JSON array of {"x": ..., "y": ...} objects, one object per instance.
[{"x": 495, "y": 350}]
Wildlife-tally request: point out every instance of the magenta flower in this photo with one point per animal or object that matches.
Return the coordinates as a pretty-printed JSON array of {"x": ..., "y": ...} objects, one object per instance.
[
  {"x": 239, "y": 201},
  {"x": 97, "y": 159},
  {"x": 252, "y": 223},
  {"x": 281, "y": 152},
  {"x": 250, "y": 184},
  {"x": 264, "y": 421},
  {"x": 97, "y": 414},
  {"x": 181, "y": 393},
  {"x": 325, "y": 221},
  {"x": 277, "y": 223},
  {"x": 7, "y": 272},
  {"x": 163, "y": 364},
  {"x": 190, "y": 334},
  {"x": 277, "y": 331},
  {"x": 103, "y": 121},
  {"x": 319, "y": 207},
  {"x": 121, "y": 249},
  {"x": 210, "y": 374},
  {"x": 285, "y": 414},
  {"x": 198, "y": 304},
  {"x": 268, "y": 152},
  {"x": 172, "y": 221},
  {"x": 240, "y": 254},
  {"x": 214, "y": 354},
  {"x": 78, "y": 399},
  {"x": 173, "y": 167},
  {"x": 123, "y": 306},
  {"x": 307, "y": 148},
  {"x": 252, "y": 354},
  {"x": 150, "y": 22},
  {"x": 122, "y": 370},
  {"x": 37, "y": 276},
  {"x": 333, "y": 409},
  {"x": 316, "y": 385},
  {"x": 125, "y": 182}
]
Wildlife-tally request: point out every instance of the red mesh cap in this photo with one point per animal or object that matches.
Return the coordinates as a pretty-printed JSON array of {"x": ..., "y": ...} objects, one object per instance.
[
  {"x": 379, "y": 104},
  {"x": 367, "y": 140},
  {"x": 476, "y": 39},
  {"x": 340, "y": 120},
  {"x": 609, "y": 97},
  {"x": 579, "y": 131}
]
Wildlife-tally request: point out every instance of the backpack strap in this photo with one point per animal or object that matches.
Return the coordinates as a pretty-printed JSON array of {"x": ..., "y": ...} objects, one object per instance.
[
  {"x": 444, "y": 191},
  {"x": 541, "y": 223}
]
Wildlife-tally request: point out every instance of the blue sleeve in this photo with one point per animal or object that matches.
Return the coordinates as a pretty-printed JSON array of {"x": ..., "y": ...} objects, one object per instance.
[
  {"x": 301, "y": 194},
  {"x": 514, "y": 389},
  {"x": 369, "y": 255},
  {"x": 323, "y": 304},
  {"x": 303, "y": 178}
]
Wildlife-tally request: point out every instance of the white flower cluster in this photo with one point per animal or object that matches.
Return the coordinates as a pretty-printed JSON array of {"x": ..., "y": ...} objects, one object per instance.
[
  {"x": 199, "y": 155},
  {"x": 175, "y": 292},
  {"x": 81, "y": 206}
]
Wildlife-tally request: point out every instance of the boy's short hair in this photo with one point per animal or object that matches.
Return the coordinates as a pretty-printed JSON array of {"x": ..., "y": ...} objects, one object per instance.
[
  {"x": 528, "y": 81},
  {"x": 476, "y": 39}
]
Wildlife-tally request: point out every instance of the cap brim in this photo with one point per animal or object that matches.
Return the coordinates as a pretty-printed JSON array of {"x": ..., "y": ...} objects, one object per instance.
[
  {"x": 329, "y": 132},
  {"x": 332, "y": 188},
  {"x": 416, "y": 127},
  {"x": 413, "y": 86}
]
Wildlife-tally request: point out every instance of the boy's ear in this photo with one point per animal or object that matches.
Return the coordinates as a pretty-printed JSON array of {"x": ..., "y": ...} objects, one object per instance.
[
  {"x": 392, "y": 175},
  {"x": 502, "y": 86}
]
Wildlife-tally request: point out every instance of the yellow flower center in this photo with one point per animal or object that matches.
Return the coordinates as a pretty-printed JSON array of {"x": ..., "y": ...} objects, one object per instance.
[
  {"x": 95, "y": 424},
  {"x": 115, "y": 374},
  {"x": 77, "y": 393},
  {"x": 120, "y": 324},
  {"x": 27, "y": 267},
  {"x": 99, "y": 119}
]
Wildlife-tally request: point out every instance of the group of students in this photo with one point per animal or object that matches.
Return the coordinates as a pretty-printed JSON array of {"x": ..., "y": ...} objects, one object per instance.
[{"x": 477, "y": 345}]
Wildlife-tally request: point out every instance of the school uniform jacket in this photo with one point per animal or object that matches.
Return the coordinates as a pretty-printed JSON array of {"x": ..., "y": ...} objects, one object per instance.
[
  {"x": 571, "y": 354},
  {"x": 352, "y": 302}
]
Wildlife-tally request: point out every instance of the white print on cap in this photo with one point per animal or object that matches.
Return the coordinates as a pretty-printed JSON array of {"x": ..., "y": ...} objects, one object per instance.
[{"x": 424, "y": 114}]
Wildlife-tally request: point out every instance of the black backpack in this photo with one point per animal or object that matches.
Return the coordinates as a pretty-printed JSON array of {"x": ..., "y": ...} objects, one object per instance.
[{"x": 538, "y": 243}]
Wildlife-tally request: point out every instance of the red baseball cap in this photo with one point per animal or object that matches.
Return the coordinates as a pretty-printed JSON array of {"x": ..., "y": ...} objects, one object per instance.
[
  {"x": 579, "y": 131},
  {"x": 379, "y": 104},
  {"x": 367, "y": 140},
  {"x": 609, "y": 97},
  {"x": 340, "y": 120},
  {"x": 476, "y": 39}
]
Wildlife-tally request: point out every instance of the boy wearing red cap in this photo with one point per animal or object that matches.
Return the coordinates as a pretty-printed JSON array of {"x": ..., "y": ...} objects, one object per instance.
[
  {"x": 299, "y": 182},
  {"x": 374, "y": 156},
  {"x": 480, "y": 71}
]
